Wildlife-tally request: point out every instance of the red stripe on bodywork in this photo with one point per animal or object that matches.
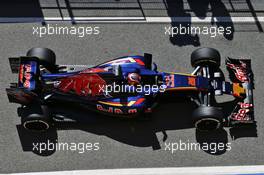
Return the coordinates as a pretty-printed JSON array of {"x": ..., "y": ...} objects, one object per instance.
[
  {"x": 139, "y": 101},
  {"x": 140, "y": 62}
]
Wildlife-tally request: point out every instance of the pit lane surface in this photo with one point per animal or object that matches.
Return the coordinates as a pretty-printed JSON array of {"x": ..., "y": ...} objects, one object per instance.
[{"x": 128, "y": 144}]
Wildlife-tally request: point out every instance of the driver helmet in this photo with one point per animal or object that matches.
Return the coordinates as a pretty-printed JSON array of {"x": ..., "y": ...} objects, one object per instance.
[{"x": 133, "y": 79}]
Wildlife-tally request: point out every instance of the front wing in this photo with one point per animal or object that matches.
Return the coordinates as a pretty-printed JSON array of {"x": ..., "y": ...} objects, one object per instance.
[{"x": 243, "y": 84}]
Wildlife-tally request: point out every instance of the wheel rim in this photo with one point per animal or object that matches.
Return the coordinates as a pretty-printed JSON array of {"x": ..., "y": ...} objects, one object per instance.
[
  {"x": 207, "y": 124},
  {"x": 36, "y": 125}
]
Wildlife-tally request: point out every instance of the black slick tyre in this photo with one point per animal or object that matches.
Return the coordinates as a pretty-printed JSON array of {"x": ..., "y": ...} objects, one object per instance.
[
  {"x": 207, "y": 118},
  {"x": 36, "y": 118},
  {"x": 205, "y": 57},
  {"x": 47, "y": 57}
]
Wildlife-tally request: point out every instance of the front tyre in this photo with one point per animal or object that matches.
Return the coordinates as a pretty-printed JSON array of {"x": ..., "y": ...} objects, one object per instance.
[
  {"x": 36, "y": 118},
  {"x": 207, "y": 118},
  {"x": 205, "y": 57}
]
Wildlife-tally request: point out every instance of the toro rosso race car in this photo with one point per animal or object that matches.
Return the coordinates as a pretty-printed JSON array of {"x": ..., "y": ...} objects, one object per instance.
[{"x": 129, "y": 87}]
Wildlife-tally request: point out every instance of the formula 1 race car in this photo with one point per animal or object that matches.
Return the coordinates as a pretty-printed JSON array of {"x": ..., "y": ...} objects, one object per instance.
[{"x": 129, "y": 87}]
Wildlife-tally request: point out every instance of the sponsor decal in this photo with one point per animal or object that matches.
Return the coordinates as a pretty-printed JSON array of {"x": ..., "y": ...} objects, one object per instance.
[
  {"x": 94, "y": 70},
  {"x": 25, "y": 75},
  {"x": 191, "y": 81},
  {"x": 242, "y": 113},
  {"x": 169, "y": 80},
  {"x": 115, "y": 110},
  {"x": 240, "y": 71}
]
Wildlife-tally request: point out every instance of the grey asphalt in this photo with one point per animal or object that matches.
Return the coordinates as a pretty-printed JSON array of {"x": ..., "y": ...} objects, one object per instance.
[{"x": 128, "y": 144}]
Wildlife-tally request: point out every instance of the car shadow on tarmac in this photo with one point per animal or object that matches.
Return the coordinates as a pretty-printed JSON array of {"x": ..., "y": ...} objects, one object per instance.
[
  {"x": 18, "y": 10},
  {"x": 30, "y": 141},
  {"x": 168, "y": 115},
  {"x": 200, "y": 9}
]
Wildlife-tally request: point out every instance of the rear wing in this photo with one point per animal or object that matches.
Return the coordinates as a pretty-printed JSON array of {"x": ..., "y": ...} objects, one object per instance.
[
  {"x": 243, "y": 81},
  {"x": 27, "y": 69}
]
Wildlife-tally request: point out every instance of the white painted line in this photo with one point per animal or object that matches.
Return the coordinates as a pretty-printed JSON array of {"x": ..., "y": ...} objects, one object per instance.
[
  {"x": 93, "y": 18},
  {"x": 204, "y": 20},
  {"x": 161, "y": 171},
  {"x": 159, "y": 19},
  {"x": 177, "y": 19},
  {"x": 135, "y": 19}
]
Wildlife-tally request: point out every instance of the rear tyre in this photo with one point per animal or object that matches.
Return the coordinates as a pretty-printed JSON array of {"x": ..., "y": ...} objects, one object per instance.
[
  {"x": 36, "y": 118},
  {"x": 205, "y": 57},
  {"x": 207, "y": 118},
  {"x": 47, "y": 57}
]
